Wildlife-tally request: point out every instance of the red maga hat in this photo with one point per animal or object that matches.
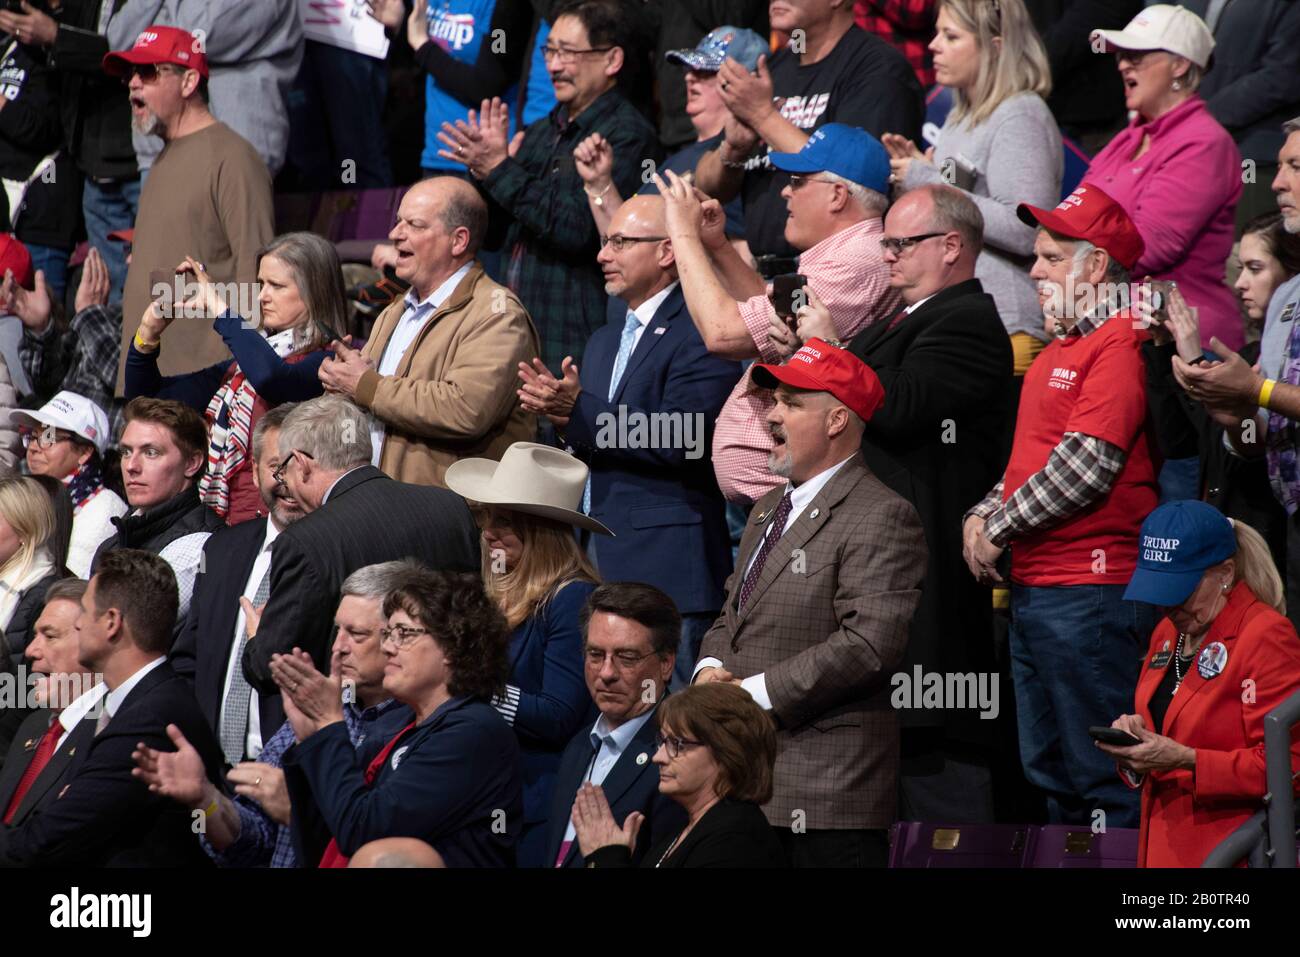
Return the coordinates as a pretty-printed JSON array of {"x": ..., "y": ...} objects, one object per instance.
[
  {"x": 820, "y": 367},
  {"x": 15, "y": 258},
  {"x": 159, "y": 45},
  {"x": 1088, "y": 213}
]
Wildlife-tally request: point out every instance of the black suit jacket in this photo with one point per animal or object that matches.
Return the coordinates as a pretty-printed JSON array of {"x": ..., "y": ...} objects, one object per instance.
[
  {"x": 940, "y": 441},
  {"x": 202, "y": 651},
  {"x": 367, "y": 518},
  {"x": 733, "y": 834},
  {"x": 628, "y": 787},
  {"x": 100, "y": 815},
  {"x": 48, "y": 783}
]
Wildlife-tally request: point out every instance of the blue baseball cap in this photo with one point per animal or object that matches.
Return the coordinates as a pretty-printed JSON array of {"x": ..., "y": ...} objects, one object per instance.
[
  {"x": 843, "y": 150},
  {"x": 744, "y": 46},
  {"x": 1179, "y": 541}
]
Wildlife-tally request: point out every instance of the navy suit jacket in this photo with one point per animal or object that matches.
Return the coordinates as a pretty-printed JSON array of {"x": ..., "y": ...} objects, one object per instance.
[
  {"x": 104, "y": 817},
  {"x": 629, "y": 786},
  {"x": 453, "y": 782},
  {"x": 202, "y": 651},
  {"x": 662, "y": 504}
]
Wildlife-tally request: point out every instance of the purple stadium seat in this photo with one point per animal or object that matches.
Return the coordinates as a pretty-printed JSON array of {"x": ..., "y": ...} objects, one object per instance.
[
  {"x": 915, "y": 844},
  {"x": 1064, "y": 846}
]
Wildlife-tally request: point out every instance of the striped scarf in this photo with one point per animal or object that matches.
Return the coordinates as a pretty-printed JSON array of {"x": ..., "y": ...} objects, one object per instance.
[
  {"x": 84, "y": 484},
  {"x": 230, "y": 430}
]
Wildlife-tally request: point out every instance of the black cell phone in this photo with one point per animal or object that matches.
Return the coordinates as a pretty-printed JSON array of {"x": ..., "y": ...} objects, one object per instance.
[
  {"x": 1120, "y": 739},
  {"x": 1159, "y": 298},
  {"x": 785, "y": 290},
  {"x": 327, "y": 334}
]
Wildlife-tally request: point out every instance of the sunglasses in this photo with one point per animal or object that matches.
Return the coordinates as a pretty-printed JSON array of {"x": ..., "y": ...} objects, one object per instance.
[{"x": 148, "y": 72}]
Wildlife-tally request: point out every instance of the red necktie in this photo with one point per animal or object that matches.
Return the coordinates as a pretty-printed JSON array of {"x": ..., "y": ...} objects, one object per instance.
[
  {"x": 44, "y": 751},
  {"x": 333, "y": 857}
]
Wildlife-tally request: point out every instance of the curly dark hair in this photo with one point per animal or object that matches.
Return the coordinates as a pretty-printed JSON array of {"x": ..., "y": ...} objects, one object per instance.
[{"x": 465, "y": 623}]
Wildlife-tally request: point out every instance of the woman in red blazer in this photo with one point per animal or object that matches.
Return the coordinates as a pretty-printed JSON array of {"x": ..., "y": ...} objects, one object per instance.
[{"x": 1223, "y": 657}]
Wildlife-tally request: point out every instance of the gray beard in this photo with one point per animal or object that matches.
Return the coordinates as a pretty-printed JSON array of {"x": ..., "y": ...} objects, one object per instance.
[
  {"x": 149, "y": 124},
  {"x": 780, "y": 466}
]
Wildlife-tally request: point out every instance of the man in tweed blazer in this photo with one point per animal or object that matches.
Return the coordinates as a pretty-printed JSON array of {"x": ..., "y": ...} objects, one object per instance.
[{"x": 818, "y": 610}]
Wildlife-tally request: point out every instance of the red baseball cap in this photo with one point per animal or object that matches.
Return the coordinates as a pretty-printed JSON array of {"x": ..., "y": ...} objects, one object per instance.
[
  {"x": 1088, "y": 213},
  {"x": 159, "y": 45},
  {"x": 15, "y": 258},
  {"x": 820, "y": 367}
]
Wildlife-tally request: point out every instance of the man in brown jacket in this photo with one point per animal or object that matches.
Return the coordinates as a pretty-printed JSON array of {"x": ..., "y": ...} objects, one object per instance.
[
  {"x": 818, "y": 610},
  {"x": 438, "y": 374}
]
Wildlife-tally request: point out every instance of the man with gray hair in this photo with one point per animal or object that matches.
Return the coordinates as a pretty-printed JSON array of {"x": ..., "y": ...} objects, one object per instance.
[
  {"x": 835, "y": 203},
  {"x": 356, "y": 516},
  {"x": 438, "y": 372},
  {"x": 252, "y": 829}
]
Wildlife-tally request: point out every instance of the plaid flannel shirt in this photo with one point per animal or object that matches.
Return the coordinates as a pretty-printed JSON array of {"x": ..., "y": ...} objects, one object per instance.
[
  {"x": 1081, "y": 469},
  {"x": 82, "y": 359},
  {"x": 551, "y": 245},
  {"x": 907, "y": 25}
]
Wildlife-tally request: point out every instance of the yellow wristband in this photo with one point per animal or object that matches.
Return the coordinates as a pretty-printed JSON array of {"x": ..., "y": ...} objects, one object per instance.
[
  {"x": 1266, "y": 393},
  {"x": 211, "y": 809},
  {"x": 143, "y": 345}
]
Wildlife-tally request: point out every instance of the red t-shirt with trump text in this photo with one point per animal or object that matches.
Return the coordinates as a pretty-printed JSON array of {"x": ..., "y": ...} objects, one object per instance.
[{"x": 1096, "y": 385}]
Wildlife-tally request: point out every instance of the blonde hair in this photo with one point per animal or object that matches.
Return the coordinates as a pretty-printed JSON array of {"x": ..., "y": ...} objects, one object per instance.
[
  {"x": 1254, "y": 566},
  {"x": 1020, "y": 66},
  {"x": 550, "y": 560},
  {"x": 29, "y": 512}
]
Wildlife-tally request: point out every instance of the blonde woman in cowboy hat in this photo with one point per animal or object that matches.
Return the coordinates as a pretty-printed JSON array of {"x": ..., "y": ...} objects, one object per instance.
[{"x": 528, "y": 506}]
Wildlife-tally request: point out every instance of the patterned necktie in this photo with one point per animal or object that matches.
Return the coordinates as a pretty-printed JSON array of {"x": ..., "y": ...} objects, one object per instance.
[
  {"x": 1280, "y": 442},
  {"x": 234, "y": 711},
  {"x": 776, "y": 528},
  {"x": 630, "y": 325},
  {"x": 44, "y": 751}
]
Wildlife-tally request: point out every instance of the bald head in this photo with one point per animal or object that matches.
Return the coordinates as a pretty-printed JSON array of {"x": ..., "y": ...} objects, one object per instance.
[
  {"x": 641, "y": 215},
  {"x": 396, "y": 852},
  {"x": 440, "y": 226}
]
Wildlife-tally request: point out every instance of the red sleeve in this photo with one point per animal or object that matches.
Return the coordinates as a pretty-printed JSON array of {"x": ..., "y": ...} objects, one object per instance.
[{"x": 1112, "y": 403}]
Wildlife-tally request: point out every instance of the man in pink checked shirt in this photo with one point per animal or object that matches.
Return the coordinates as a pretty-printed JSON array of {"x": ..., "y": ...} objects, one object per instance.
[{"x": 836, "y": 202}]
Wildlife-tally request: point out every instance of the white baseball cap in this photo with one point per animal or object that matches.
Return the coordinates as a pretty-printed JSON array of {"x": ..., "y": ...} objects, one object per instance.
[
  {"x": 71, "y": 412},
  {"x": 1163, "y": 27}
]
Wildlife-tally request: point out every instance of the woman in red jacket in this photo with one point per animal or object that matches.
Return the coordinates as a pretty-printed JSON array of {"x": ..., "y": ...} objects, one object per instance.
[{"x": 1223, "y": 657}]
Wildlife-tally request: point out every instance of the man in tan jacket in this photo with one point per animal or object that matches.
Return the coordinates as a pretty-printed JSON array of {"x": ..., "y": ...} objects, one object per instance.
[{"x": 438, "y": 375}]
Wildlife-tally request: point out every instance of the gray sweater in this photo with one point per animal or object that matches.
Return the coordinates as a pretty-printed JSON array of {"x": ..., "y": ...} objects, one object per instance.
[
  {"x": 254, "y": 48},
  {"x": 1017, "y": 157}
]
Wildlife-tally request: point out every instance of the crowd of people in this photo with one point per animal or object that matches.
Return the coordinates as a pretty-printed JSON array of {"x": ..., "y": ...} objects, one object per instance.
[{"x": 706, "y": 445}]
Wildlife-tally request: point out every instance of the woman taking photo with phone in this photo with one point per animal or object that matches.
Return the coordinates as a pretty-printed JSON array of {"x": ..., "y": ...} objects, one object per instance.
[
  {"x": 301, "y": 301},
  {"x": 1223, "y": 657}
]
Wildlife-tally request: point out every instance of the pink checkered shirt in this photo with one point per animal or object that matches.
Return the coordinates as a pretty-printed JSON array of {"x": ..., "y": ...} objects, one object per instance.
[{"x": 849, "y": 274}]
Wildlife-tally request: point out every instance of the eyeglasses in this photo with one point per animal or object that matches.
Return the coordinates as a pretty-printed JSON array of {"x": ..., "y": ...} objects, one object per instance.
[
  {"x": 622, "y": 659},
  {"x": 147, "y": 72},
  {"x": 621, "y": 243},
  {"x": 45, "y": 438},
  {"x": 896, "y": 246},
  {"x": 401, "y": 635},
  {"x": 797, "y": 181},
  {"x": 568, "y": 54},
  {"x": 673, "y": 744},
  {"x": 277, "y": 475}
]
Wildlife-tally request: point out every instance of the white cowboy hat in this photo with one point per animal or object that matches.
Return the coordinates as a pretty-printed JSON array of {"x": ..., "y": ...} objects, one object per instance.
[{"x": 531, "y": 478}]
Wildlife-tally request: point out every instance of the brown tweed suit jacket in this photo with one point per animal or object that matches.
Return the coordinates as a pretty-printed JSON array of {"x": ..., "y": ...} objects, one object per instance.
[{"x": 827, "y": 624}]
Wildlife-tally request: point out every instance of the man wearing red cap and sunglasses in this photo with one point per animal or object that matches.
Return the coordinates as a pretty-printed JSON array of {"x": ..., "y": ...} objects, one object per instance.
[
  {"x": 818, "y": 612},
  {"x": 208, "y": 194},
  {"x": 1081, "y": 479}
]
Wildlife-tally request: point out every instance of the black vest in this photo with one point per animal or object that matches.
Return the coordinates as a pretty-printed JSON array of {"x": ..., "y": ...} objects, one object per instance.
[{"x": 155, "y": 528}]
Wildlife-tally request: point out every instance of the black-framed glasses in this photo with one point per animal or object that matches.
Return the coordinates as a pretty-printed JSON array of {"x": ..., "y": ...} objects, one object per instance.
[
  {"x": 622, "y": 659},
  {"x": 401, "y": 635},
  {"x": 896, "y": 246},
  {"x": 673, "y": 744},
  {"x": 45, "y": 438},
  {"x": 799, "y": 180},
  {"x": 568, "y": 54},
  {"x": 147, "y": 72},
  {"x": 621, "y": 243},
  {"x": 277, "y": 475}
]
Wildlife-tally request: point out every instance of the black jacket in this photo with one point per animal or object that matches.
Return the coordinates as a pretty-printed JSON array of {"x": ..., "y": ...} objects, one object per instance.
[
  {"x": 49, "y": 782},
  {"x": 202, "y": 649},
  {"x": 104, "y": 817},
  {"x": 1253, "y": 85},
  {"x": 93, "y": 106},
  {"x": 731, "y": 834},
  {"x": 367, "y": 518},
  {"x": 157, "y": 527},
  {"x": 940, "y": 441}
]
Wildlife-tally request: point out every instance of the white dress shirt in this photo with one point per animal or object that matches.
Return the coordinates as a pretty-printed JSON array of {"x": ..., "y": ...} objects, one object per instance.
[
  {"x": 113, "y": 700},
  {"x": 262, "y": 565},
  {"x": 800, "y": 496},
  {"x": 81, "y": 706},
  {"x": 610, "y": 743},
  {"x": 407, "y": 329},
  {"x": 646, "y": 311}
]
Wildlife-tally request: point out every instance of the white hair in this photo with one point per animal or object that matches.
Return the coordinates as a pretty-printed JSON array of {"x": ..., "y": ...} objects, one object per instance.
[{"x": 871, "y": 202}]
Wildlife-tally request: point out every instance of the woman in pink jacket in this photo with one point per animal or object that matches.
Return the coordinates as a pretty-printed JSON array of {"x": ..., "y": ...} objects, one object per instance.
[{"x": 1174, "y": 169}]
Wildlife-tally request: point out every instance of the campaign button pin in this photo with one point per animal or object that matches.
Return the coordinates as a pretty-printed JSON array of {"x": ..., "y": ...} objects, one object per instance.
[
  {"x": 642, "y": 758},
  {"x": 1212, "y": 660}
]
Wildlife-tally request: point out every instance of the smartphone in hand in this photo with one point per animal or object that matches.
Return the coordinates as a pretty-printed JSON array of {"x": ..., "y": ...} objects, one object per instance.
[
  {"x": 786, "y": 295},
  {"x": 1114, "y": 736}
]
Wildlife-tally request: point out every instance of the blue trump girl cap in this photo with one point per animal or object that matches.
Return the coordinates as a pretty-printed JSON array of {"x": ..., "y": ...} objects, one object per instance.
[
  {"x": 1178, "y": 542},
  {"x": 844, "y": 150}
]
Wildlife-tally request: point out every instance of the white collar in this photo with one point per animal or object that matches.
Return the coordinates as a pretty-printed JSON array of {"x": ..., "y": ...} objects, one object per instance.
[
  {"x": 118, "y": 694},
  {"x": 919, "y": 303},
  {"x": 805, "y": 492},
  {"x": 81, "y": 706},
  {"x": 272, "y": 533},
  {"x": 623, "y": 734},
  {"x": 646, "y": 311}
]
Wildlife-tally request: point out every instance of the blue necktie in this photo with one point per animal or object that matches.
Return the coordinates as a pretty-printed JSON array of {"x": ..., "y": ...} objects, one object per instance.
[{"x": 630, "y": 326}]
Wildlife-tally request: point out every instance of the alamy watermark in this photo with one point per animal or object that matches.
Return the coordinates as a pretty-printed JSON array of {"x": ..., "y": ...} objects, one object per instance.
[
  {"x": 947, "y": 691},
  {"x": 634, "y": 429}
]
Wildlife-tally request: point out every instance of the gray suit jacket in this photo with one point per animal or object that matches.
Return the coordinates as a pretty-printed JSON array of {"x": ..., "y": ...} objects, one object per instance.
[{"x": 827, "y": 624}]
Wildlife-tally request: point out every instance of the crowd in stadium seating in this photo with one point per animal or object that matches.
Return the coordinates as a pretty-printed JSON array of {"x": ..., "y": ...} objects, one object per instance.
[{"x": 763, "y": 423}]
